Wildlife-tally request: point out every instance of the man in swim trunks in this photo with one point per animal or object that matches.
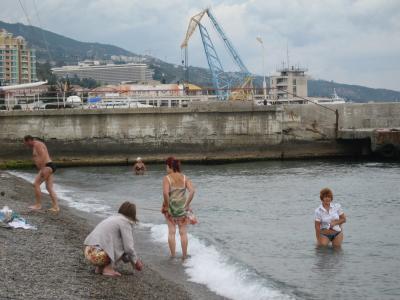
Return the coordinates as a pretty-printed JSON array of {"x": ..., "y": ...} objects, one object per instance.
[{"x": 46, "y": 168}]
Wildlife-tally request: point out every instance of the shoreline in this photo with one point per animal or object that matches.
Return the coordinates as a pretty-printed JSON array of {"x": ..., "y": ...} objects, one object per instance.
[{"x": 48, "y": 263}]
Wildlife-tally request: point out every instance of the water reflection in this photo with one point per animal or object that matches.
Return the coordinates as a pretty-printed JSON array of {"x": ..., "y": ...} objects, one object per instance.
[{"x": 329, "y": 261}]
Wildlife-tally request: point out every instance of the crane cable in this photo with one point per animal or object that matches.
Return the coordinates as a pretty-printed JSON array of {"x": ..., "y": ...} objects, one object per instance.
[
  {"x": 25, "y": 13},
  {"x": 40, "y": 26}
]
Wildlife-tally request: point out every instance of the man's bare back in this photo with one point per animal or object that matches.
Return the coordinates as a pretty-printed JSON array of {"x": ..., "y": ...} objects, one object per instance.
[{"x": 46, "y": 168}]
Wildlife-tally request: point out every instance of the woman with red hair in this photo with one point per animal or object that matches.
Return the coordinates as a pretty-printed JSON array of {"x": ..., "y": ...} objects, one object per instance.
[
  {"x": 176, "y": 204},
  {"x": 329, "y": 218}
]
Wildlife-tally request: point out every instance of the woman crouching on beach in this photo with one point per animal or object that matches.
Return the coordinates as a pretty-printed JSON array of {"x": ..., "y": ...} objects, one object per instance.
[
  {"x": 176, "y": 205},
  {"x": 112, "y": 240},
  {"x": 329, "y": 218}
]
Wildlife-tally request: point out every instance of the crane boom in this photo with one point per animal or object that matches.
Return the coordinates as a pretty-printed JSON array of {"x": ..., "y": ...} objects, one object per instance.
[
  {"x": 194, "y": 21},
  {"x": 220, "y": 80},
  {"x": 232, "y": 51}
]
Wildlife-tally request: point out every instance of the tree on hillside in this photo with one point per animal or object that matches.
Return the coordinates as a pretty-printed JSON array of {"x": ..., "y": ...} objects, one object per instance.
[{"x": 43, "y": 72}]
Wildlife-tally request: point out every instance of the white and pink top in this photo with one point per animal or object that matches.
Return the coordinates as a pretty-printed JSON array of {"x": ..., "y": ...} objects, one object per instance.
[{"x": 326, "y": 217}]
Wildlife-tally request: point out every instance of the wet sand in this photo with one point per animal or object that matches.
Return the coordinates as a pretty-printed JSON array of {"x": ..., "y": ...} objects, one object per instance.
[{"x": 48, "y": 263}]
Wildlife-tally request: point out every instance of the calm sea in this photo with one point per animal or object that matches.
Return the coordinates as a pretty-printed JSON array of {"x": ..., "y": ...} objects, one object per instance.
[{"x": 255, "y": 239}]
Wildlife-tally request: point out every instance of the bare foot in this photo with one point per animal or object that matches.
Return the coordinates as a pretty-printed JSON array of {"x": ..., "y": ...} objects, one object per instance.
[
  {"x": 54, "y": 210},
  {"x": 35, "y": 207},
  {"x": 111, "y": 273},
  {"x": 184, "y": 258}
]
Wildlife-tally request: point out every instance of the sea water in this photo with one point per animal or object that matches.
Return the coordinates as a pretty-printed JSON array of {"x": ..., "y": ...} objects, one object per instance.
[{"x": 256, "y": 237}]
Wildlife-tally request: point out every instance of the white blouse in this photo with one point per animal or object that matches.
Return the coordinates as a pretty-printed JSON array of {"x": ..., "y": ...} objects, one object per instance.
[{"x": 326, "y": 217}]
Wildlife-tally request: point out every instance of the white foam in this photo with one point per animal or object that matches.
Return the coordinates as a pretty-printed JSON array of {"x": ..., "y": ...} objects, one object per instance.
[
  {"x": 209, "y": 267},
  {"x": 86, "y": 203}
]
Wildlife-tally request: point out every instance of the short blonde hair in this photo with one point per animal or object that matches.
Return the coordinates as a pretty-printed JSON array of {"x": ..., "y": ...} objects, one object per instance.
[{"x": 325, "y": 192}]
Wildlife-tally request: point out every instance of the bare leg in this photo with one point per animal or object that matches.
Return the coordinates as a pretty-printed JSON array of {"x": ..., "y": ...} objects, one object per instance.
[
  {"x": 323, "y": 241},
  {"x": 337, "y": 241},
  {"x": 171, "y": 237},
  {"x": 38, "y": 194},
  {"x": 53, "y": 196},
  {"x": 184, "y": 240}
]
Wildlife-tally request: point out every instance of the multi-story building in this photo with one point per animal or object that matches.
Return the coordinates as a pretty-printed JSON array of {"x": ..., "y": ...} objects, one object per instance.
[
  {"x": 17, "y": 61},
  {"x": 290, "y": 84},
  {"x": 109, "y": 73}
]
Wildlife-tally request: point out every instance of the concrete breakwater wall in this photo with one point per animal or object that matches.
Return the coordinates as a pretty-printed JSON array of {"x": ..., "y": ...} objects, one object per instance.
[{"x": 207, "y": 131}]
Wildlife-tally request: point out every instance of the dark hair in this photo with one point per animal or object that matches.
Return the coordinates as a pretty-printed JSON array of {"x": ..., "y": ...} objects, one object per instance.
[
  {"x": 326, "y": 192},
  {"x": 28, "y": 138},
  {"x": 128, "y": 210},
  {"x": 173, "y": 164}
]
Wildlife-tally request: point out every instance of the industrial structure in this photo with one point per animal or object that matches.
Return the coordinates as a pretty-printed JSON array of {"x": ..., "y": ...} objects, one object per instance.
[
  {"x": 221, "y": 81},
  {"x": 17, "y": 61},
  {"x": 108, "y": 73},
  {"x": 289, "y": 84}
]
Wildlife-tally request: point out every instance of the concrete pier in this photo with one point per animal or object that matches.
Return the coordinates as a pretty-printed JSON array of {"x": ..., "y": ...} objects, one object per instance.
[{"x": 201, "y": 132}]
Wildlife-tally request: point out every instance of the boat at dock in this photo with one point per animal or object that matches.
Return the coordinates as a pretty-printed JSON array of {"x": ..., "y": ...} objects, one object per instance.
[{"x": 335, "y": 99}]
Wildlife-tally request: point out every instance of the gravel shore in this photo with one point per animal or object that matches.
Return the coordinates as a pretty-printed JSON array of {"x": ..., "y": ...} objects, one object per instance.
[{"x": 48, "y": 263}]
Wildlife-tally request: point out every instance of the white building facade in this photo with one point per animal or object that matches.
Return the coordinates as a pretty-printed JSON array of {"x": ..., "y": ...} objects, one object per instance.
[
  {"x": 108, "y": 74},
  {"x": 291, "y": 83}
]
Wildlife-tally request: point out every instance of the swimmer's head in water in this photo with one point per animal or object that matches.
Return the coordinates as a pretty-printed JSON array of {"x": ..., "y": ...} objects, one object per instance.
[
  {"x": 325, "y": 192},
  {"x": 128, "y": 209}
]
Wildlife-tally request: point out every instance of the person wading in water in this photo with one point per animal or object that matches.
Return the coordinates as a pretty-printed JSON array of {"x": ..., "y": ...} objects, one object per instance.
[{"x": 176, "y": 204}]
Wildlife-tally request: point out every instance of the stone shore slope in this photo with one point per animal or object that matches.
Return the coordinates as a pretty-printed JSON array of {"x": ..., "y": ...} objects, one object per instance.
[{"x": 48, "y": 263}]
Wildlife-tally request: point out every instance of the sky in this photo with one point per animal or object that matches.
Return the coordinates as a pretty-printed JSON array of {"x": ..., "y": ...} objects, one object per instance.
[{"x": 347, "y": 41}]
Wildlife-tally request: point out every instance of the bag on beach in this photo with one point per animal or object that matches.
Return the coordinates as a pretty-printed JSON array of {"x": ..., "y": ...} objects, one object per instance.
[{"x": 6, "y": 214}]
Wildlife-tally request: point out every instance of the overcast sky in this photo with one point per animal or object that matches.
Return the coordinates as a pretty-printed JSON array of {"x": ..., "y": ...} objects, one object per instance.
[{"x": 348, "y": 41}]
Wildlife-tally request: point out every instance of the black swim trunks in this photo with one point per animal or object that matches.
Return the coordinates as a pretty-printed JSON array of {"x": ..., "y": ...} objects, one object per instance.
[{"x": 52, "y": 166}]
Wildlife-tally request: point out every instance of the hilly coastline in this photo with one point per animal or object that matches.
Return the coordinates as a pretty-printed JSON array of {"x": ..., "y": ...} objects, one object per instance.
[{"x": 63, "y": 51}]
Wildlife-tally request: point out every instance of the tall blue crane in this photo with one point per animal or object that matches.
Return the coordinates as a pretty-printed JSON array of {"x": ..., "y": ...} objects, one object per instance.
[{"x": 221, "y": 81}]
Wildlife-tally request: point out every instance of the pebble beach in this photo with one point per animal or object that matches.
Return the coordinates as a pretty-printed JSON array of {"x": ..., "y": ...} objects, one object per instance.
[{"x": 48, "y": 263}]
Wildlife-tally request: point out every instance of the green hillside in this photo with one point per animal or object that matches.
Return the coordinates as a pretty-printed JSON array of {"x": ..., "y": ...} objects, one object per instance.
[
  {"x": 65, "y": 51},
  {"x": 356, "y": 93},
  {"x": 62, "y": 50}
]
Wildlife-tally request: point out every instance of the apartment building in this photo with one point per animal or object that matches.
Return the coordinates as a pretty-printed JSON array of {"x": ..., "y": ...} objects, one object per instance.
[{"x": 17, "y": 61}]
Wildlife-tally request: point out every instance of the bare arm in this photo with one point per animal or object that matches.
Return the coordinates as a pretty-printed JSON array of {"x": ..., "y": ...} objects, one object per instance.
[
  {"x": 342, "y": 219},
  {"x": 126, "y": 231},
  {"x": 191, "y": 190},
  {"x": 165, "y": 195},
  {"x": 317, "y": 230}
]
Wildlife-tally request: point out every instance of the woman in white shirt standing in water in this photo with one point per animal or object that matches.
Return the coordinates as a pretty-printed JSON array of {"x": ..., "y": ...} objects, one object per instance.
[{"x": 329, "y": 218}]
